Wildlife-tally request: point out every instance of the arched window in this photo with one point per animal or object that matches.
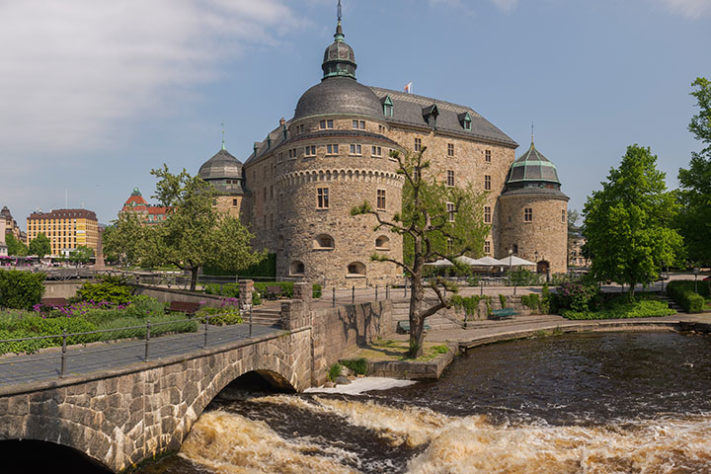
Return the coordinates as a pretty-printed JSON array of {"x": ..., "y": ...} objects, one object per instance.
[
  {"x": 296, "y": 268},
  {"x": 356, "y": 269},
  {"x": 382, "y": 243},
  {"x": 324, "y": 242}
]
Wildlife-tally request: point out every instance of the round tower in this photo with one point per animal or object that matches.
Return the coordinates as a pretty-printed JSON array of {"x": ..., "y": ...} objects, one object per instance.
[
  {"x": 533, "y": 214},
  {"x": 224, "y": 172},
  {"x": 334, "y": 157}
]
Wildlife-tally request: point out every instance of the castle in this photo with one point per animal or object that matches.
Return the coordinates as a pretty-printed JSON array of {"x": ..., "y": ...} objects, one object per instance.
[{"x": 295, "y": 191}]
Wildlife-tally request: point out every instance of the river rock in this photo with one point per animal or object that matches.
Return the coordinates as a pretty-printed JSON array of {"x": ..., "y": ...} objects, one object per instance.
[{"x": 341, "y": 380}]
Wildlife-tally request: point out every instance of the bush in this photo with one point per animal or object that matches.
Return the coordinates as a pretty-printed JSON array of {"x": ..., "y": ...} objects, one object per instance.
[
  {"x": 470, "y": 304},
  {"x": 682, "y": 291},
  {"x": 522, "y": 277},
  {"x": 357, "y": 366},
  {"x": 335, "y": 371},
  {"x": 287, "y": 288},
  {"x": 502, "y": 300},
  {"x": 574, "y": 297},
  {"x": 533, "y": 302},
  {"x": 20, "y": 289},
  {"x": 621, "y": 308},
  {"x": 226, "y": 314},
  {"x": 316, "y": 291},
  {"x": 265, "y": 268},
  {"x": 110, "y": 290},
  {"x": 227, "y": 289}
]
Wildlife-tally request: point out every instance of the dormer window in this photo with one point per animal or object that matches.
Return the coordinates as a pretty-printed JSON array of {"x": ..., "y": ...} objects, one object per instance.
[
  {"x": 466, "y": 120},
  {"x": 430, "y": 114},
  {"x": 388, "y": 106}
]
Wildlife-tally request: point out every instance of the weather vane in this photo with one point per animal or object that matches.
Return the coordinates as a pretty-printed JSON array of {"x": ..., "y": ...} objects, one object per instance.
[
  {"x": 531, "y": 131},
  {"x": 222, "y": 124}
]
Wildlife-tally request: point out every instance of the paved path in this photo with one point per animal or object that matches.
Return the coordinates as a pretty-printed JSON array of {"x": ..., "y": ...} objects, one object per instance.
[{"x": 80, "y": 360}]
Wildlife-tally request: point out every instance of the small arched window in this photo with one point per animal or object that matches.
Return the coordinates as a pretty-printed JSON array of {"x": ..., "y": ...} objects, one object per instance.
[
  {"x": 382, "y": 243},
  {"x": 356, "y": 269},
  {"x": 324, "y": 242},
  {"x": 296, "y": 268}
]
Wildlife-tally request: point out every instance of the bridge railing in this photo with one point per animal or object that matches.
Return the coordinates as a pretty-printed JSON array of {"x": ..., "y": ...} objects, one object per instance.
[{"x": 129, "y": 343}]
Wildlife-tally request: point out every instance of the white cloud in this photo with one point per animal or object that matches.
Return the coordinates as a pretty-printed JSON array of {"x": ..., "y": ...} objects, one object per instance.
[
  {"x": 70, "y": 69},
  {"x": 505, "y": 5},
  {"x": 689, "y": 8}
]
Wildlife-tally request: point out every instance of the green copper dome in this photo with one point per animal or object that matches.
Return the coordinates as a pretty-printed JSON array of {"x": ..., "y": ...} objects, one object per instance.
[
  {"x": 532, "y": 170},
  {"x": 339, "y": 58}
]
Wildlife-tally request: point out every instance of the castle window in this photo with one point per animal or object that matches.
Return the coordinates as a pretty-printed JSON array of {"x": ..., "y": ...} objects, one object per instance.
[
  {"x": 310, "y": 150},
  {"x": 323, "y": 124},
  {"x": 322, "y": 198},
  {"x": 487, "y": 156},
  {"x": 296, "y": 268},
  {"x": 487, "y": 183},
  {"x": 487, "y": 214},
  {"x": 332, "y": 149},
  {"x": 324, "y": 242},
  {"x": 450, "y": 177},
  {"x": 381, "y": 129},
  {"x": 292, "y": 153},
  {"x": 515, "y": 248},
  {"x": 234, "y": 202},
  {"x": 356, "y": 269},
  {"x": 450, "y": 211},
  {"x": 377, "y": 151},
  {"x": 562, "y": 215},
  {"x": 528, "y": 215},
  {"x": 450, "y": 149},
  {"x": 467, "y": 122},
  {"x": 388, "y": 106},
  {"x": 355, "y": 149},
  {"x": 382, "y": 243},
  {"x": 487, "y": 247},
  {"x": 359, "y": 124},
  {"x": 381, "y": 199},
  {"x": 450, "y": 246},
  {"x": 418, "y": 144}
]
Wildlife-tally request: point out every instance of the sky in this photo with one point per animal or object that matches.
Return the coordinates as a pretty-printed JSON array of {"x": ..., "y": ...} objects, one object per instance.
[{"x": 93, "y": 95}]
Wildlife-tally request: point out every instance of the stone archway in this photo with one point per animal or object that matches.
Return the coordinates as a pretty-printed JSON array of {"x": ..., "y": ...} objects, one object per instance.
[{"x": 543, "y": 267}]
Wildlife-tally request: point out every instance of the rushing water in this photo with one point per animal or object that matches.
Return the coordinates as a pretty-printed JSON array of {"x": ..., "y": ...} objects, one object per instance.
[{"x": 616, "y": 402}]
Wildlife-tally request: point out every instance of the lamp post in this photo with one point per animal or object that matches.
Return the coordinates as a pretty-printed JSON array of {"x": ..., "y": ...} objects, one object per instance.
[
  {"x": 510, "y": 262},
  {"x": 696, "y": 275}
]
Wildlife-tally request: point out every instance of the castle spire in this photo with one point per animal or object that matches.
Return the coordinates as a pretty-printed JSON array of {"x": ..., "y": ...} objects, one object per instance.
[
  {"x": 339, "y": 59},
  {"x": 223, "y": 135},
  {"x": 339, "y": 29}
]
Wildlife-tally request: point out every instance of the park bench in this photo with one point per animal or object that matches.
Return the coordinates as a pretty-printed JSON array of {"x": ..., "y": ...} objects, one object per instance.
[
  {"x": 54, "y": 302},
  {"x": 403, "y": 327},
  {"x": 183, "y": 307},
  {"x": 273, "y": 292},
  {"x": 504, "y": 313}
]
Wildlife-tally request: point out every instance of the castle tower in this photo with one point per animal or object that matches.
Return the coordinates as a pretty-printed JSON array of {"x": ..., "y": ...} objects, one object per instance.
[
  {"x": 308, "y": 174},
  {"x": 533, "y": 214},
  {"x": 224, "y": 172}
]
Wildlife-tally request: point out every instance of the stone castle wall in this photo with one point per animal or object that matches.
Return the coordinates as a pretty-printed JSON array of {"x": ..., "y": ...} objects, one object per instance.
[
  {"x": 542, "y": 239},
  {"x": 231, "y": 205}
]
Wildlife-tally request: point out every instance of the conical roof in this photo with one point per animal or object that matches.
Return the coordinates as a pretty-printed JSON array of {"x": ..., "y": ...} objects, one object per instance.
[
  {"x": 532, "y": 167},
  {"x": 223, "y": 171}
]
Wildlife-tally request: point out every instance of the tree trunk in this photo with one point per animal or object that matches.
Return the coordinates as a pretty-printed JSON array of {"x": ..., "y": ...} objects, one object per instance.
[
  {"x": 193, "y": 277},
  {"x": 417, "y": 322}
]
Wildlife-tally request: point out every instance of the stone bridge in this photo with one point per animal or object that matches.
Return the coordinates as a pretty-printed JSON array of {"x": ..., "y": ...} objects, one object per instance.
[{"x": 122, "y": 416}]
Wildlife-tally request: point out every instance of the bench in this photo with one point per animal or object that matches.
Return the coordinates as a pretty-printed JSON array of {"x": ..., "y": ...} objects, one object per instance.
[
  {"x": 183, "y": 307},
  {"x": 54, "y": 302},
  {"x": 504, "y": 313},
  {"x": 273, "y": 292},
  {"x": 403, "y": 327}
]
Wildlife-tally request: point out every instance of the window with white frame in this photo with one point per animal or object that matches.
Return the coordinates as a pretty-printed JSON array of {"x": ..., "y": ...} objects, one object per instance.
[
  {"x": 380, "y": 199},
  {"x": 356, "y": 149},
  {"x": 487, "y": 214},
  {"x": 332, "y": 149},
  {"x": 377, "y": 151},
  {"x": 450, "y": 177},
  {"x": 450, "y": 211},
  {"x": 310, "y": 150},
  {"x": 322, "y": 198},
  {"x": 528, "y": 214}
]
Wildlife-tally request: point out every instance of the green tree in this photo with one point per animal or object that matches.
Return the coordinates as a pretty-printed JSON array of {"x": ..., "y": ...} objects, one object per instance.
[
  {"x": 40, "y": 246},
  {"x": 694, "y": 220},
  {"x": 81, "y": 255},
  {"x": 628, "y": 223},
  {"x": 194, "y": 233},
  {"x": 15, "y": 247},
  {"x": 436, "y": 222}
]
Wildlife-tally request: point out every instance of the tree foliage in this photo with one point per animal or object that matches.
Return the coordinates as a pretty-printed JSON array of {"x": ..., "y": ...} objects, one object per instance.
[
  {"x": 194, "y": 233},
  {"x": 20, "y": 289},
  {"x": 15, "y": 247},
  {"x": 628, "y": 223},
  {"x": 437, "y": 221},
  {"x": 40, "y": 246},
  {"x": 694, "y": 220},
  {"x": 81, "y": 255}
]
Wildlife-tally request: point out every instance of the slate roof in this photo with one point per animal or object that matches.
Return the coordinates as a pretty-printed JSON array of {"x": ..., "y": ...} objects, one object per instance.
[
  {"x": 411, "y": 109},
  {"x": 64, "y": 214},
  {"x": 532, "y": 166},
  {"x": 339, "y": 95},
  {"x": 223, "y": 166}
]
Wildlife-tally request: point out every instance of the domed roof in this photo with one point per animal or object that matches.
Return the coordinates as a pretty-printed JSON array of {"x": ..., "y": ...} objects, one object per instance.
[
  {"x": 223, "y": 171},
  {"x": 339, "y": 95},
  {"x": 533, "y": 168},
  {"x": 339, "y": 58}
]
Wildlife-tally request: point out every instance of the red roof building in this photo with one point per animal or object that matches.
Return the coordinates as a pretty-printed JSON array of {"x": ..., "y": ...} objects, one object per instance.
[{"x": 137, "y": 205}]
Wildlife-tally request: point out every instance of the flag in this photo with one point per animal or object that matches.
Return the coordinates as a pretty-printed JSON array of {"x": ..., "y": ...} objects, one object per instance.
[{"x": 408, "y": 87}]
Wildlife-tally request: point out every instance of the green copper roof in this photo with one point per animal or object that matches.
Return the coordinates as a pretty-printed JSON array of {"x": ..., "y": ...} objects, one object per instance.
[
  {"x": 533, "y": 167},
  {"x": 136, "y": 192},
  {"x": 339, "y": 58}
]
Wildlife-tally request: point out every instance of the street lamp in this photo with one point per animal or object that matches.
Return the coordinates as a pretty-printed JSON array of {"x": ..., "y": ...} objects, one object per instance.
[
  {"x": 696, "y": 275},
  {"x": 510, "y": 275}
]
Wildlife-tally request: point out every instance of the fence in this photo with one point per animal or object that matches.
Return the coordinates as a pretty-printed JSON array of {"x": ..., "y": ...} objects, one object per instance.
[{"x": 143, "y": 344}]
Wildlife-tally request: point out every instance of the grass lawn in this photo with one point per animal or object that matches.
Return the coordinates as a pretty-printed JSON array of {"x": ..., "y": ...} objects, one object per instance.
[{"x": 388, "y": 349}]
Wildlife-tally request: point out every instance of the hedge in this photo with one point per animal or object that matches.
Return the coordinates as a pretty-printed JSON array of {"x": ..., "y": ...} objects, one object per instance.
[
  {"x": 682, "y": 291},
  {"x": 232, "y": 289},
  {"x": 20, "y": 289}
]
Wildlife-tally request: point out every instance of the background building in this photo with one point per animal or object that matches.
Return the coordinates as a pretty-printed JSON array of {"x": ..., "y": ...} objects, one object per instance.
[
  {"x": 224, "y": 172},
  {"x": 66, "y": 229},
  {"x": 3, "y": 245},
  {"x": 11, "y": 225},
  {"x": 150, "y": 214},
  {"x": 302, "y": 180}
]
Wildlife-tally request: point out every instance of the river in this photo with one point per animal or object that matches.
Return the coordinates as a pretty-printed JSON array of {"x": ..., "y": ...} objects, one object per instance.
[{"x": 600, "y": 402}]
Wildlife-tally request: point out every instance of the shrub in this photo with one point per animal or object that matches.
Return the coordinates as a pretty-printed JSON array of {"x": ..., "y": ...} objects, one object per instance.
[
  {"x": 502, "y": 300},
  {"x": 470, "y": 304},
  {"x": 682, "y": 291},
  {"x": 335, "y": 371},
  {"x": 573, "y": 296},
  {"x": 621, "y": 308},
  {"x": 226, "y": 314},
  {"x": 357, "y": 366},
  {"x": 227, "y": 289},
  {"x": 109, "y": 290},
  {"x": 522, "y": 277},
  {"x": 316, "y": 291},
  {"x": 20, "y": 289},
  {"x": 532, "y": 301}
]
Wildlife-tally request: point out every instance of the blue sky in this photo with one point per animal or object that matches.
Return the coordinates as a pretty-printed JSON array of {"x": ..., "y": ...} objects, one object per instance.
[{"x": 95, "y": 94}]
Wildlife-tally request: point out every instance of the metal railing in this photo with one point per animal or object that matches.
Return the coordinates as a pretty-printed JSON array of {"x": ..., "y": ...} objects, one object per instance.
[{"x": 199, "y": 338}]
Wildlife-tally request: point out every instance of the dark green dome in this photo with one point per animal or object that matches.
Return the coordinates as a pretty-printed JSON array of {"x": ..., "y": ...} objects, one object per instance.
[
  {"x": 339, "y": 58},
  {"x": 532, "y": 170}
]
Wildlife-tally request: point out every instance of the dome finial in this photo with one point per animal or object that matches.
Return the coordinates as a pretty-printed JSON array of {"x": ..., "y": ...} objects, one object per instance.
[
  {"x": 531, "y": 132},
  {"x": 339, "y": 11},
  {"x": 339, "y": 29},
  {"x": 223, "y": 134}
]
